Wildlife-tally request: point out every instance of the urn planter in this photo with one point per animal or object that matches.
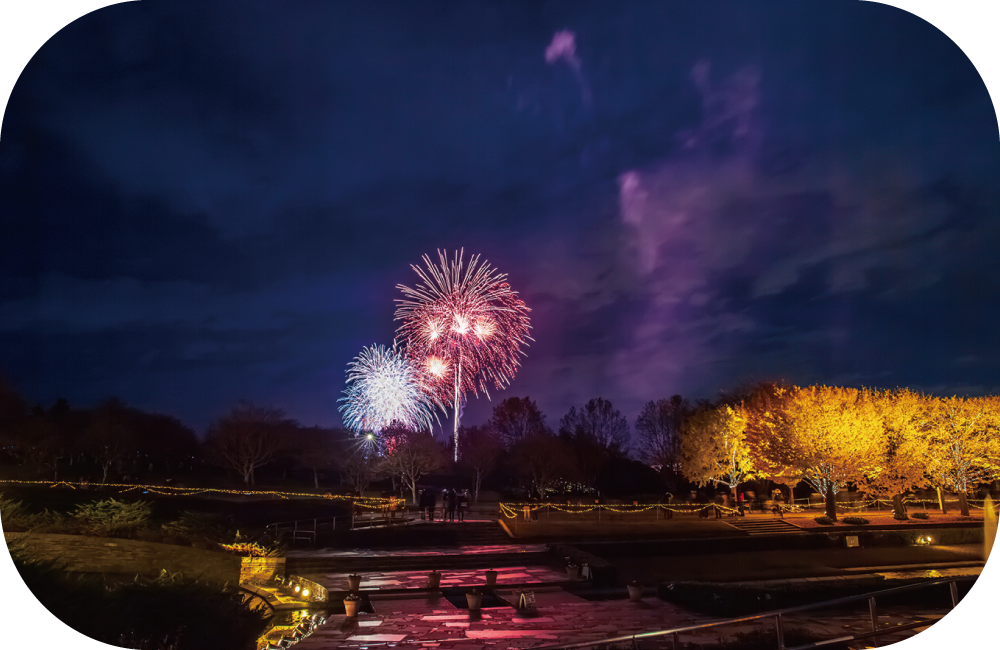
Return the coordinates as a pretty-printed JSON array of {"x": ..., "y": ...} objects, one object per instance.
[
  {"x": 491, "y": 578},
  {"x": 433, "y": 580},
  {"x": 573, "y": 572},
  {"x": 635, "y": 592},
  {"x": 351, "y": 607},
  {"x": 354, "y": 583}
]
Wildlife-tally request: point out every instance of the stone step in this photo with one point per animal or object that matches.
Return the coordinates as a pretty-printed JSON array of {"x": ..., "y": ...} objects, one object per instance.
[
  {"x": 767, "y": 527},
  {"x": 300, "y": 565}
]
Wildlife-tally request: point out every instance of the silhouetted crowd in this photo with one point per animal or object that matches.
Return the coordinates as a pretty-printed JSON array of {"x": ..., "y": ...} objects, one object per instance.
[{"x": 448, "y": 503}]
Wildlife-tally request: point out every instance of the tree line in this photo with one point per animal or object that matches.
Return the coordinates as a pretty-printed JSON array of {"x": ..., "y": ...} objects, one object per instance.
[{"x": 882, "y": 442}]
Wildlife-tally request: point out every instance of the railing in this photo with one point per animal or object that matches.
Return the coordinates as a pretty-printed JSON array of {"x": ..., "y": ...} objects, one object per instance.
[
  {"x": 675, "y": 633},
  {"x": 303, "y": 529},
  {"x": 308, "y": 529}
]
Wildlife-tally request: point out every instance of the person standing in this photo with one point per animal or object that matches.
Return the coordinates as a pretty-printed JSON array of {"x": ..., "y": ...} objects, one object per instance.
[
  {"x": 452, "y": 504},
  {"x": 463, "y": 504}
]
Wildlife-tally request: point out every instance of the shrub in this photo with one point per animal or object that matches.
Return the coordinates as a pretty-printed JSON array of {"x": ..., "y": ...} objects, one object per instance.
[
  {"x": 12, "y": 511},
  {"x": 920, "y": 515},
  {"x": 247, "y": 547},
  {"x": 899, "y": 516},
  {"x": 111, "y": 518},
  {"x": 200, "y": 526},
  {"x": 17, "y": 518},
  {"x": 855, "y": 521},
  {"x": 824, "y": 520}
]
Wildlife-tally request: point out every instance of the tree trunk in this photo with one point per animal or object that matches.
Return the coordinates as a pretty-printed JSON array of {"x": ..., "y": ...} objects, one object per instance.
[
  {"x": 940, "y": 494},
  {"x": 898, "y": 509},
  {"x": 413, "y": 491},
  {"x": 831, "y": 502},
  {"x": 315, "y": 478},
  {"x": 479, "y": 477},
  {"x": 963, "y": 504}
]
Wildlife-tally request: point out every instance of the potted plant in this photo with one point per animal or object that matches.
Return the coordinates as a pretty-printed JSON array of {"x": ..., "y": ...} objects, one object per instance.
[
  {"x": 433, "y": 579},
  {"x": 475, "y": 599},
  {"x": 634, "y": 591},
  {"x": 354, "y": 583},
  {"x": 491, "y": 578},
  {"x": 573, "y": 571},
  {"x": 351, "y": 603}
]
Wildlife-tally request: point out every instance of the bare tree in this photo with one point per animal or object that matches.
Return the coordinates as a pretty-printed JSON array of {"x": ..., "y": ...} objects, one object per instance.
[
  {"x": 316, "y": 448},
  {"x": 110, "y": 438},
  {"x": 248, "y": 438},
  {"x": 410, "y": 455},
  {"x": 543, "y": 459},
  {"x": 600, "y": 423},
  {"x": 481, "y": 449},
  {"x": 515, "y": 419},
  {"x": 356, "y": 466},
  {"x": 658, "y": 431}
]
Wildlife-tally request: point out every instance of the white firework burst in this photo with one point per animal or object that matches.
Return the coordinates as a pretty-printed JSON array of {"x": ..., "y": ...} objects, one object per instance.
[{"x": 385, "y": 388}]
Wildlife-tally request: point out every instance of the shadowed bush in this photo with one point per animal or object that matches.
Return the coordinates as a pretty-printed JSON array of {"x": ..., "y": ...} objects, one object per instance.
[
  {"x": 111, "y": 518},
  {"x": 168, "y": 613}
]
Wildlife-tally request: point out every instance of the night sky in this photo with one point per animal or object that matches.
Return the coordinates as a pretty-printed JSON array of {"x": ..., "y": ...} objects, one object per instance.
[{"x": 203, "y": 202}]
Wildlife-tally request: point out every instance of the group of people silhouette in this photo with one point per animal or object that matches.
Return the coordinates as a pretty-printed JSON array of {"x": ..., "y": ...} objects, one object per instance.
[{"x": 448, "y": 502}]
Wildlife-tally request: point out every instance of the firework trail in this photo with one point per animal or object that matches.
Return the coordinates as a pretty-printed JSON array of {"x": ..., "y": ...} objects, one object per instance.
[
  {"x": 385, "y": 388},
  {"x": 465, "y": 325}
]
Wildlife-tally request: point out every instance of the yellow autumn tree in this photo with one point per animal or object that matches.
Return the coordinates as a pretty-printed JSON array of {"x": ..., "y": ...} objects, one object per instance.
[
  {"x": 714, "y": 449},
  {"x": 902, "y": 456},
  {"x": 825, "y": 435},
  {"x": 961, "y": 437}
]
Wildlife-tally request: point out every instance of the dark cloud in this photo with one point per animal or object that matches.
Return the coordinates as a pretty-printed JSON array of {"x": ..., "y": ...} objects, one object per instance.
[{"x": 203, "y": 202}]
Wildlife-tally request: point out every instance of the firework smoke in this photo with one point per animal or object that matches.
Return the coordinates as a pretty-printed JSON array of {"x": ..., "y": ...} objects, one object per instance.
[{"x": 563, "y": 47}]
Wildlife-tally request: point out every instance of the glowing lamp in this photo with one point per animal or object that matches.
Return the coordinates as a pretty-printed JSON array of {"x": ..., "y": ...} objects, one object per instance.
[{"x": 305, "y": 592}]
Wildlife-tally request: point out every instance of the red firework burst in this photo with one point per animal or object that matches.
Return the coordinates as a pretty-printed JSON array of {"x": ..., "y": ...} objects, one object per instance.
[{"x": 465, "y": 324}]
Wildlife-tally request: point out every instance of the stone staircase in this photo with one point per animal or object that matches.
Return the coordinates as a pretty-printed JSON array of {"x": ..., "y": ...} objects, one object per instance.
[{"x": 755, "y": 526}]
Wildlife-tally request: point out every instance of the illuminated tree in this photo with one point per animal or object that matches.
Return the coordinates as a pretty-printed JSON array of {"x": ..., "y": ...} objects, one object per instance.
[
  {"x": 714, "y": 448},
  {"x": 961, "y": 443},
  {"x": 902, "y": 452},
  {"x": 824, "y": 435}
]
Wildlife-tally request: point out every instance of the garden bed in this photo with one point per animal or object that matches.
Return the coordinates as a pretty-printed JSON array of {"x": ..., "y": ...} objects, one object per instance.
[{"x": 886, "y": 519}]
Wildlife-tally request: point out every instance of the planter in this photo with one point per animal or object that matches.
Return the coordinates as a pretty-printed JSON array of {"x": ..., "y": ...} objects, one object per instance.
[
  {"x": 353, "y": 583},
  {"x": 573, "y": 572},
  {"x": 351, "y": 607},
  {"x": 635, "y": 593},
  {"x": 491, "y": 578},
  {"x": 475, "y": 601},
  {"x": 433, "y": 580}
]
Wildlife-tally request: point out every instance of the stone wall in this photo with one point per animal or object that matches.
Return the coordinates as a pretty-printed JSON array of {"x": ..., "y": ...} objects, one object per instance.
[{"x": 126, "y": 556}]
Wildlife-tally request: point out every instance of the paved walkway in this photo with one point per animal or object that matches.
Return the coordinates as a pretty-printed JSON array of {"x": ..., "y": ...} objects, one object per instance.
[
  {"x": 395, "y": 580},
  {"x": 418, "y": 552},
  {"x": 432, "y": 622}
]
